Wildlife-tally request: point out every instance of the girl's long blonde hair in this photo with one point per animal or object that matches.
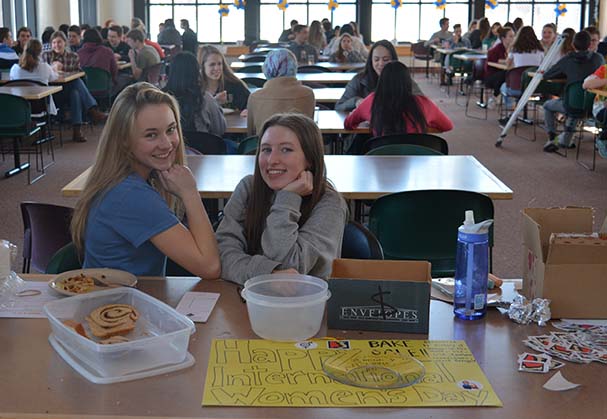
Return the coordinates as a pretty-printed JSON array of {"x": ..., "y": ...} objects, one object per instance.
[{"x": 114, "y": 158}]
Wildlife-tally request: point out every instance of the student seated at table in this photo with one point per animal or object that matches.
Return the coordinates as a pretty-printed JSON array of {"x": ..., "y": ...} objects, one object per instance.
[
  {"x": 8, "y": 56},
  {"x": 75, "y": 92},
  {"x": 141, "y": 56},
  {"x": 219, "y": 80},
  {"x": 393, "y": 108},
  {"x": 493, "y": 36},
  {"x": 494, "y": 77},
  {"x": 478, "y": 35},
  {"x": 303, "y": 50},
  {"x": 317, "y": 37},
  {"x": 357, "y": 44},
  {"x": 282, "y": 92},
  {"x": 24, "y": 34},
  {"x": 127, "y": 215},
  {"x": 94, "y": 54},
  {"x": 345, "y": 51},
  {"x": 526, "y": 50},
  {"x": 115, "y": 43},
  {"x": 567, "y": 44},
  {"x": 382, "y": 52},
  {"x": 598, "y": 80},
  {"x": 199, "y": 112},
  {"x": 31, "y": 68},
  {"x": 548, "y": 36},
  {"x": 286, "y": 217},
  {"x": 437, "y": 38},
  {"x": 74, "y": 38},
  {"x": 576, "y": 66}
]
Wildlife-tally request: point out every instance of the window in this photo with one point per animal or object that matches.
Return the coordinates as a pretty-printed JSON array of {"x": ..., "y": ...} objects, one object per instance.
[
  {"x": 415, "y": 19},
  {"x": 203, "y": 16},
  {"x": 273, "y": 20},
  {"x": 538, "y": 13}
]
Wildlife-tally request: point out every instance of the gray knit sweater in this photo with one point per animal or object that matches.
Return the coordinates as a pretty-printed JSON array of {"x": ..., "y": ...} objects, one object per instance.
[{"x": 309, "y": 249}]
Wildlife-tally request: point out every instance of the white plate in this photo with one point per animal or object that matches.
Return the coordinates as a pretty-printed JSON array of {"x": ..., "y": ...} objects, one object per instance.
[
  {"x": 111, "y": 276},
  {"x": 227, "y": 111}
]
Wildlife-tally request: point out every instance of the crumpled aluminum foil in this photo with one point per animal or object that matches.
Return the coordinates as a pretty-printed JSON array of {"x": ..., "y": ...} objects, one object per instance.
[{"x": 525, "y": 312}]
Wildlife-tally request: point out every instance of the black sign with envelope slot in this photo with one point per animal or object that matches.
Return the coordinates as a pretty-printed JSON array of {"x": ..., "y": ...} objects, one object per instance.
[{"x": 399, "y": 302}]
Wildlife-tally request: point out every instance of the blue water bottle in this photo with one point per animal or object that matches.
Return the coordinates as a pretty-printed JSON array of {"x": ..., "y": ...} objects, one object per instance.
[{"x": 471, "y": 269}]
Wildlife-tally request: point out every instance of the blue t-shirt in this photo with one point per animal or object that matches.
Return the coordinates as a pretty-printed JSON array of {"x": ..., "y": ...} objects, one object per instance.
[{"x": 119, "y": 227}]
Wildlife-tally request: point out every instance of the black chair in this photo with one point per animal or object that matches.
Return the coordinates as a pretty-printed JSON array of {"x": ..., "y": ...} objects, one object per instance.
[
  {"x": 205, "y": 142},
  {"x": 254, "y": 81},
  {"x": 46, "y": 229},
  {"x": 256, "y": 68},
  {"x": 254, "y": 59},
  {"x": 423, "y": 53},
  {"x": 312, "y": 69},
  {"x": 476, "y": 84},
  {"x": 359, "y": 243},
  {"x": 426, "y": 140}
]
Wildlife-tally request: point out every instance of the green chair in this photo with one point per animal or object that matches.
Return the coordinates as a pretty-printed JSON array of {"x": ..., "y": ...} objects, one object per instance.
[
  {"x": 65, "y": 259},
  {"x": 99, "y": 83},
  {"x": 248, "y": 145},
  {"x": 422, "y": 225},
  {"x": 578, "y": 104},
  {"x": 403, "y": 150},
  {"x": 425, "y": 140},
  {"x": 16, "y": 124}
]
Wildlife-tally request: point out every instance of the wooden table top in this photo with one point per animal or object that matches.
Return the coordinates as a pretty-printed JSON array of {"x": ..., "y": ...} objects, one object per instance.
[
  {"x": 500, "y": 66},
  {"x": 236, "y": 65},
  {"x": 30, "y": 92},
  {"x": 355, "y": 177},
  {"x": 37, "y": 383},
  {"x": 470, "y": 56},
  {"x": 329, "y": 122},
  {"x": 324, "y": 95},
  {"x": 449, "y": 51},
  {"x": 66, "y": 77},
  {"x": 332, "y": 77}
]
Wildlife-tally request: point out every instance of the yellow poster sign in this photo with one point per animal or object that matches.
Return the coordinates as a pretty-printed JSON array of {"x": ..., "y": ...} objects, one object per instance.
[{"x": 286, "y": 374}]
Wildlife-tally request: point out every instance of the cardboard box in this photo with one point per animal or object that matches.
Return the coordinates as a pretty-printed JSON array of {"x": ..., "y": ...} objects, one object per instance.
[
  {"x": 568, "y": 270},
  {"x": 380, "y": 295}
]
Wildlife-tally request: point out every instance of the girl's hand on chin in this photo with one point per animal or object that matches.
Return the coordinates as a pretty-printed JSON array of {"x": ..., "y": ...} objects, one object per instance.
[
  {"x": 303, "y": 185},
  {"x": 178, "y": 180}
]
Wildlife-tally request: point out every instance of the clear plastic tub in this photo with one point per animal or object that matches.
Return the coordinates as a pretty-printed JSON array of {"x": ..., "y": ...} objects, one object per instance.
[
  {"x": 286, "y": 307},
  {"x": 160, "y": 338}
]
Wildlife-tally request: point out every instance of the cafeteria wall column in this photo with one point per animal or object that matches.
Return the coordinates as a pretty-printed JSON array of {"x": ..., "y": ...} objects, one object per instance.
[
  {"x": 118, "y": 10},
  {"x": 52, "y": 13},
  {"x": 479, "y": 9},
  {"x": 251, "y": 22},
  {"x": 364, "y": 20}
]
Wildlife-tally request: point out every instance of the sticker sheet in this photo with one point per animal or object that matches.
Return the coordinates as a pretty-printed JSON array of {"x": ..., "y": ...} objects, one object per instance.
[{"x": 287, "y": 374}]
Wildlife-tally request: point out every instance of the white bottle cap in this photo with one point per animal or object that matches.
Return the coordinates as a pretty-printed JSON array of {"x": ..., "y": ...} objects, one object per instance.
[{"x": 469, "y": 220}]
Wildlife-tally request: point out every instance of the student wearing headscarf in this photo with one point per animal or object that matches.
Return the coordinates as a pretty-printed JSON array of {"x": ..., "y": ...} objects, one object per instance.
[{"x": 281, "y": 93}]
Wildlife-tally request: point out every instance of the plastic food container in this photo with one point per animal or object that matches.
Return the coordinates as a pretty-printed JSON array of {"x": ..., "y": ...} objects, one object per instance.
[
  {"x": 286, "y": 307},
  {"x": 160, "y": 338}
]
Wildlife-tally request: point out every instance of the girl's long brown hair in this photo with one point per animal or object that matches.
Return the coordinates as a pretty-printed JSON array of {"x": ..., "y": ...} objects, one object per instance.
[
  {"x": 30, "y": 58},
  {"x": 114, "y": 158},
  {"x": 260, "y": 200},
  {"x": 526, "y": 41},
  {"x": 484, "y": 27},
  {"x": 227, "y": 73}
]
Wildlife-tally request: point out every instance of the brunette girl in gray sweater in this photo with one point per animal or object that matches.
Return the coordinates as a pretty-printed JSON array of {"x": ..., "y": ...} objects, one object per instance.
[{"x": 286, "y": 217}]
